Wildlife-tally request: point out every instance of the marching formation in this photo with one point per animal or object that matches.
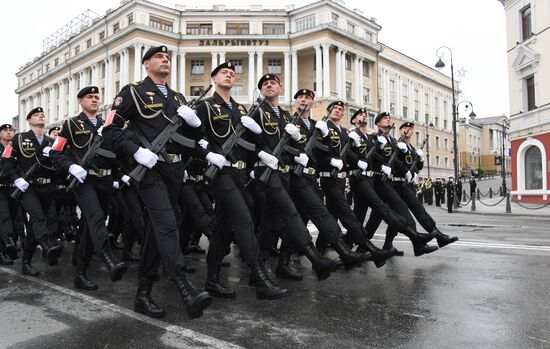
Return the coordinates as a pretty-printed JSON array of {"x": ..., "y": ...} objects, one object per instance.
[{"x": 160, "y": 172}]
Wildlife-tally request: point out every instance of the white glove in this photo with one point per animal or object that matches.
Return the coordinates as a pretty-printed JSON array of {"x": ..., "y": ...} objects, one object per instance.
[
  {"x": 383, "y": 141},
  {"x": 420, "y": 154},
  {"x": 251, "y": 174},
  {"x": 203, "y": 143},
  {"x": 268, "y": 159},
  {"x": 46, "y": 151},
  {"x": 362, "y": 165},
  {"x": 302, "y": 159},
  {"x": 78, "y": 172},
  {"x": 339, "y": 164},
  {"x": 189, "y": 116},
  {"x": 403, "y": 147},
  {"x": 146, "y": 157},
  {"x": 355, "y": 137},
  {"x": 100, "y": 131},
  {"x": 21, "y": 184},
  {"x": 126, "y": 180},
  {"x": 409, "y": 176},
  {"x": 322, "y": 126},
  {"x": 415, "y": 178},
  {"x": 116, "y": 185},
  {"x": 386, "y": 170},
  {"x": 185, "y": 176},
  {"x": 293, "y": 131},
  {"x": 215, "y": 159},
  {"x": 250, "y": 124}
]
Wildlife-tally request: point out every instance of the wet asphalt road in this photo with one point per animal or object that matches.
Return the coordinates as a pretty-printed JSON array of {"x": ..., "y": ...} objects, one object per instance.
[{"x": 488, "y": 290}]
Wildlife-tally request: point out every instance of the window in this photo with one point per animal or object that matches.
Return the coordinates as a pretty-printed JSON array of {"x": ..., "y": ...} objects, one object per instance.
[
  {"x": 199, "y": 28},
  {"x": 366, "y": 95},
  {"x": 348, "y": 90},
  {"x": 526, "y": 23},
  {"x": 197, "y": 66},
  {"x": 436, "y": 121},
  {"x": 116, "y": 28},
  {"x": 348, "y": 62},
  {"x": 405, "y": 90},
  {"x": 405, "y": 112},
  {"x": 237, "y": 90},
  {"x": 56, "y": 62},
  {"x": 436, "y": 103},
  {"x": 48, "y": 67},
  {"x": 117, "y": 66},
  {"x": 196, "y": 90},
  {"x": 334, "y": 18},
  {"x": 392, "y": 108},
  {"x": 445, "y": 107},
  {"x": 533, "y": 168},
  {"x": 305, "y": 23},
  {"x": 392, "y": 86},
  {"x": 446, "y": 143},
  {"x": 417, "y": 137},
  {"x": 161, "y": 23},
  {"x": 530, "y": 92},
  {"x": 437, "y": 142},
  {"x": 117, "y": 86},
  {"x": 437, "y": 161},
  {"x": 366, "y": 68},
  {"x": 130, "y": 19},
  {"x": 427, "y": 99},
  {"x": 237, "y": 29},
  {"x": 446, "y": 162},
  {"x": 368, "y": 36},
  {"x": 88, "y": 43},
  {"x": 76, "y": 50},
  {"x": 416, "y": 116},
  {"x": 351, "y": 27},
  {"x": 445, "y": 124},
  {"x": 274, "y": 66},
  {"x": 101, "y": 36},
  {"x": 371, "y": 120},
  {"x": 426, "y": 119},
  {"x": 416, "y": 95},
  {"x": 274, "y": 29},
  {"x": 238, "y": 64}
]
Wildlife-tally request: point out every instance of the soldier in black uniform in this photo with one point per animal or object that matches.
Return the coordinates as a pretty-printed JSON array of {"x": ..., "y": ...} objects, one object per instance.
[
  {"x": 473, "y": 186},
  {"x": 450, "y": 187},
  {"x": 437, "y": 191},
  {"x": 94, "y": 188},
  {"x": 221, "y": 115},
  {"x": 458, "y": 185},
  {"x": 443, "y": 187},
  {"x": 30, "y": 149},
  {"x": 149, "y": 106},
  {"x": 8, "y": 206}
]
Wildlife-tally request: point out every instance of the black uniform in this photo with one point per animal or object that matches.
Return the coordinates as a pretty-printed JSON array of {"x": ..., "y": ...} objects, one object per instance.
[
  {"x": 459, "y": 190},
  {"x": 438, "y": 192},
  {"x": 8, "y": 209},
  {"x": 450, "y": 195}
]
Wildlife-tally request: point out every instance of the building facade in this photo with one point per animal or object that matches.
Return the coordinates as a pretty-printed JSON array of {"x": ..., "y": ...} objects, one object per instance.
[
  {"x": 528, "y": 48},
  {"x": 324, "y": 46}
]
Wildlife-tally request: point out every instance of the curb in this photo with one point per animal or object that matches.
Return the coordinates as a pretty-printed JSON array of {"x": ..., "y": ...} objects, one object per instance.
[{"x": 498, "y": 214}]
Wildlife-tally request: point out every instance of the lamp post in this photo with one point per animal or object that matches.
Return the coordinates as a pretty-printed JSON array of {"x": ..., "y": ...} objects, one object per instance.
[
  {"x": 428, "y": 121},
  {"x": 440, "y": 65},
  {"x": 503, "y": 157}
]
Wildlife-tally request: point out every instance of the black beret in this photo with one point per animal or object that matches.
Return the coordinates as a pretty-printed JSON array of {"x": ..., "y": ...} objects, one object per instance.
[
  {"x": 227, "y": 65},
  {"x": 5, "y": 127},
  {"x": 86, "y": 91},
  {"x": 268, "y": 77},
  {"x": 357, "y": 112},
  {"x": 150, "y": 52},
  {"x": 380, "y": 116},
  {"x": 34, "y": 111},
  {"x": 305, "y": 92},
  {"x": 55, "y": 128},
  {"x": 338, "y": 103},
  {"x": 406, "y": 124}
]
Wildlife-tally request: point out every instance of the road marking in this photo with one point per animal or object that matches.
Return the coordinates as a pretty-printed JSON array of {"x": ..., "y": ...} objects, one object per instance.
[{"x": 184, "y": 333}]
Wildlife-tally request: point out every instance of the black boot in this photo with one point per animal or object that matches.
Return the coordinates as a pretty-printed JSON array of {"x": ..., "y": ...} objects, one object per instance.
[
  {"x": 419, "y": 242},
  {"x": 388, "y": 247},
  {"x": 26, "y": 267},
  {"x": 127, "y": 254},
  {"x": 5, "y": 259},
  {"x": 115, "y": 268},
  {"x": 379, "y": 256},
  {"x": 213, "y": 285},
  {"x": 349, "y": 258},
  {"x": 443, "y": 239},
  {"x": 195, "y": 301},
  {"x": 322, "y": 266},
  {"x": 195, "y": 248},
  {"x": 143, "y": 303},
  {"x": 51, "y": 249},
  {"x": 81, "y": 280},
  {"x": 113, "y": 240},
  {"x": 284, "y": 271},
  {"x": 11, "y": 249},
  {"x": 265, "y": 287}
]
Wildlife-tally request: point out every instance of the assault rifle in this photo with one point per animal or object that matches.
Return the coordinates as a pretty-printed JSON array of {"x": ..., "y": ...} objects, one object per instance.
[
  {"x": 392, "y": 159},
  {"x": 415, "y": 162},
  {"x": 87, "y": 159},
  {"x": 373, "y": 150}
]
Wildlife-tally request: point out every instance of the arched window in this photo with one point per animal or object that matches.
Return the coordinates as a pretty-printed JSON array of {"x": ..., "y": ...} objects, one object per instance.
[{"x": 533, "y": 168}]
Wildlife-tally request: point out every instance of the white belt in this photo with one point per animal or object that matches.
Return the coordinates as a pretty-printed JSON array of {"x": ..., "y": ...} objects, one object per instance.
[
  {"x": 100, "y": 172},
  {"x": 196, "y": 178},
  {"x": 327, "y": 174},
  {"x": 41, "y": 180},
  {"x": 172, "y": 158},
  {"x": 399, "y": 179},
  {"x": 306, "y": 170},
  {"x": 239, "y": 164},
  {"x": 282, "y": 169}
]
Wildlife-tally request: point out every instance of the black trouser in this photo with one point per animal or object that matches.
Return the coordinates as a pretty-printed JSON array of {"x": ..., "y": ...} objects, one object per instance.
[
  {"x": 339, "y": 207},
  {"x": 450, "y": 200},
  {"x": 406, "y": 192},
  {"x": 93, "y": 197},
  {"x": 197, "y": 212},
  {"x": 38, "y": 202},
  {"x": 437, "y": 198},
  {"x": 258, "y": 198},
  {"x": 136, "y": 226},
  {"x": 280, "y": 214},
  {"x": 233, "y": 218},
  {"x": 429, "y": 197},
  {"x": 8, "y": 209}
]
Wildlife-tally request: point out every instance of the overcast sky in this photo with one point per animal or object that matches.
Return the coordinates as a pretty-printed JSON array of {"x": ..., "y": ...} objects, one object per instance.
[{"x": 473, "y": 29}]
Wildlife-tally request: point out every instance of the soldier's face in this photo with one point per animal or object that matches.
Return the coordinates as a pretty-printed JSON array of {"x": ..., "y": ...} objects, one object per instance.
[
  {"x": 37, "y": 119},
  {"x": 224, "y": 78},
  {"x": 271, "y": 88},
  {"x": 6, "y": 134},
  {"x": 304, "y": 101},
  {"x": 158, "y": 64},
  {"x": 359, "y": 119},
  {"x": 337, "y": 113},
  {"x": 90, "y": 102},
  {"x": 384, "y": 122},
  {"x": 406, "y": 132},
  {"x": 54, "y": 134}
]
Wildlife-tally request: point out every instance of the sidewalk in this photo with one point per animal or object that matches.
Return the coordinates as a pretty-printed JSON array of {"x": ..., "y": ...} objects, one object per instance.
[{"x": 498, "y": 207}]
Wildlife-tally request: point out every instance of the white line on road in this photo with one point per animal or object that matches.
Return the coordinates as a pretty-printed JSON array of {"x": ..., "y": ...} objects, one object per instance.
[{"x": 184, "y": 333}]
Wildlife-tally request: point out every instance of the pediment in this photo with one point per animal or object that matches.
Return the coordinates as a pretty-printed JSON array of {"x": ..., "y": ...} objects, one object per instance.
[{"x": 525, "y": 58}]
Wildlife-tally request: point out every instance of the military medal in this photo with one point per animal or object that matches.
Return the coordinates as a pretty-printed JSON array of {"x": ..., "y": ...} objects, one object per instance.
[{"x": 151, "y": 95}]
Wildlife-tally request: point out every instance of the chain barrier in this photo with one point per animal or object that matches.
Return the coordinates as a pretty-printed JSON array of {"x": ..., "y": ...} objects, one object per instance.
[
  {"x": 530, "y": 208},
  {"x": 489, "y": 205}
]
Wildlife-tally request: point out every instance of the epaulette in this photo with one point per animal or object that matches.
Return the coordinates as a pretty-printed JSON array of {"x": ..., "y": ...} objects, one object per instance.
[{"x": 135, "y": 83}]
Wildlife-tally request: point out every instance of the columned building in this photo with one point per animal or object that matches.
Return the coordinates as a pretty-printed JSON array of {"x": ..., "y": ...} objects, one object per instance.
[
  {"x": 528, "y": 49},
  {"x": 323, "y": 46}
]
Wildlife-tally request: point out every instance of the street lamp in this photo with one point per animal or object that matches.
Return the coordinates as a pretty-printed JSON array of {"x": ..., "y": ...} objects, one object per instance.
[
  {"x": 428, "y": 121},
  {"x": 440, "y": 65},
  {"x": 502, "y": 156}
]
